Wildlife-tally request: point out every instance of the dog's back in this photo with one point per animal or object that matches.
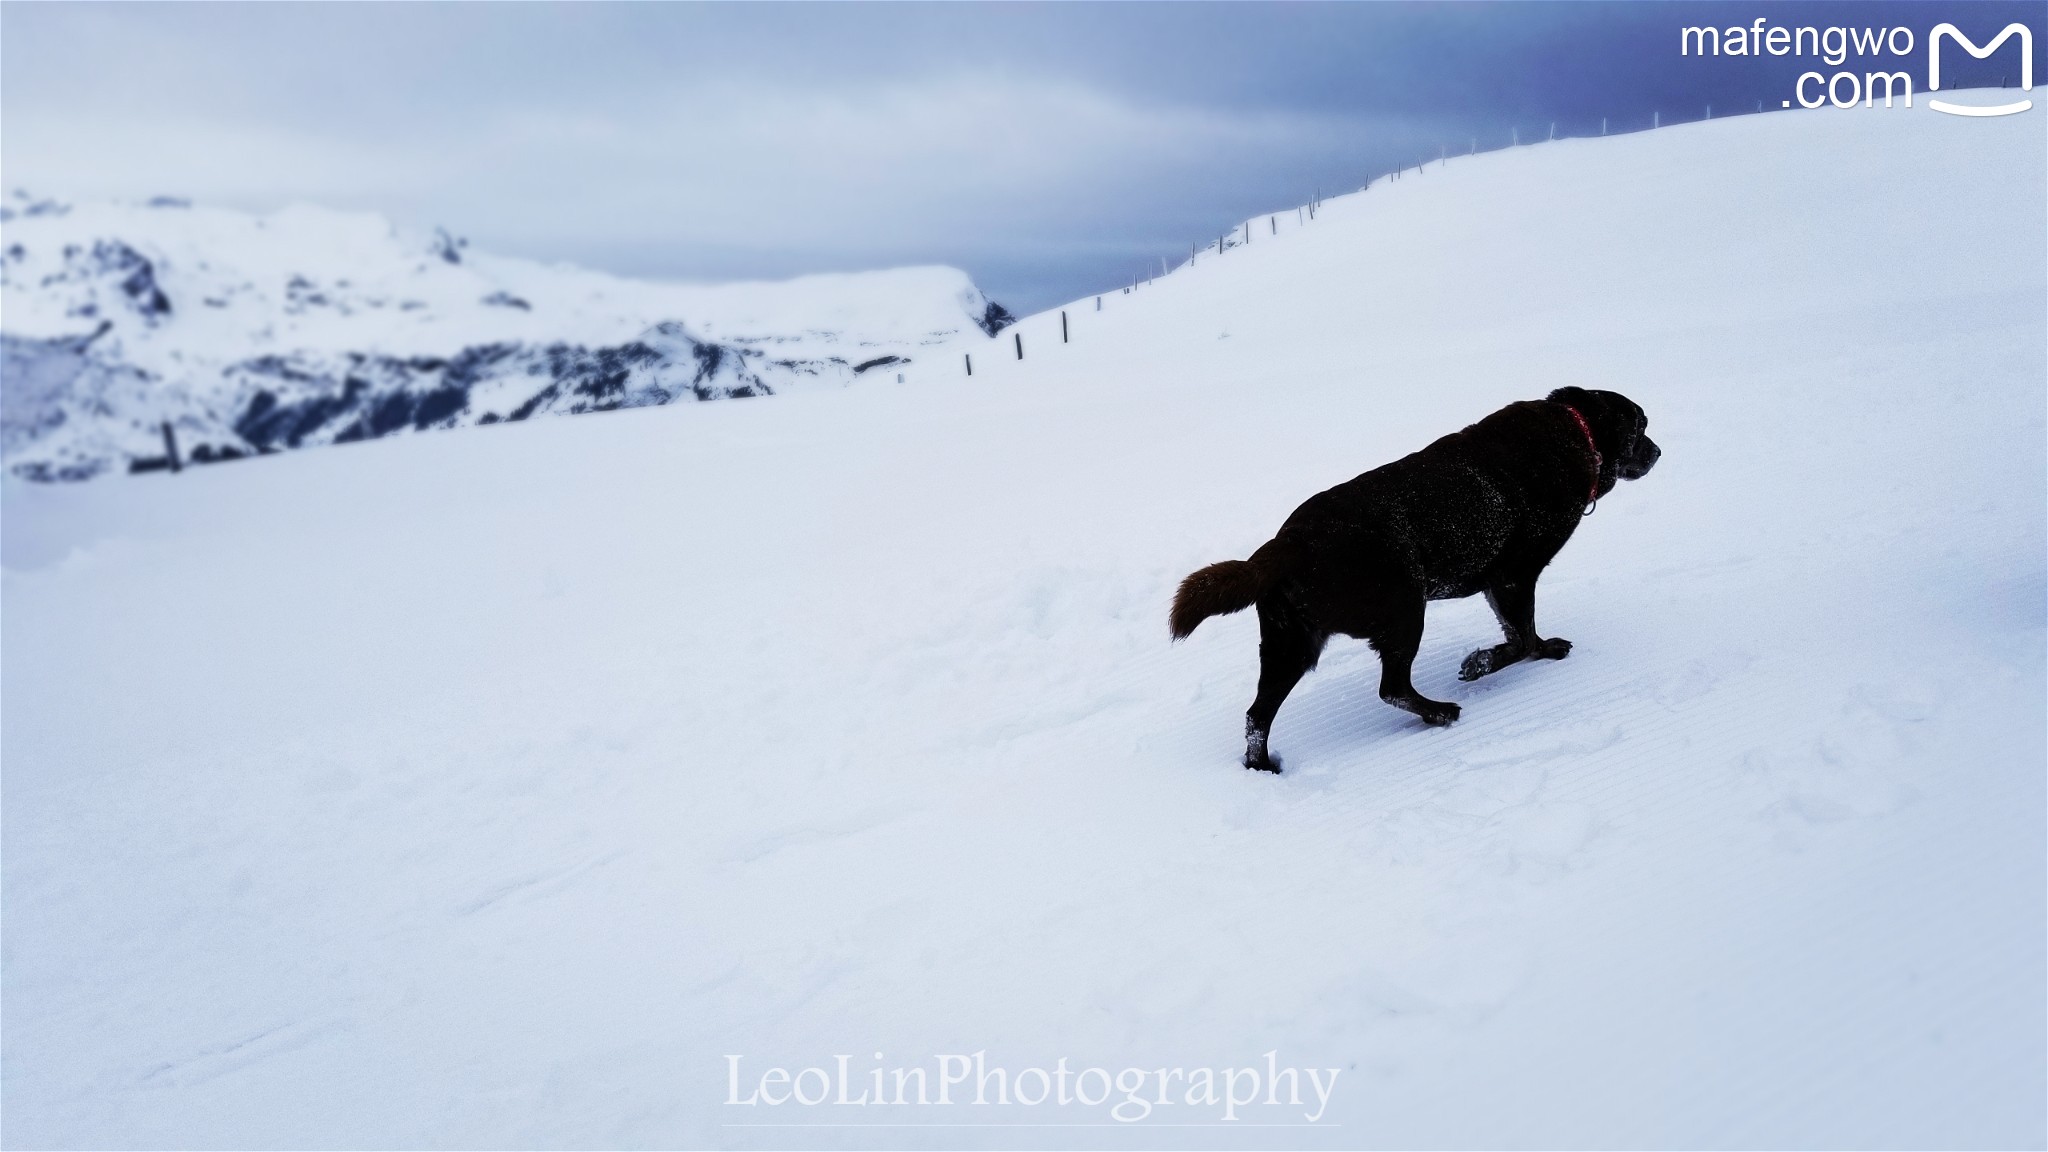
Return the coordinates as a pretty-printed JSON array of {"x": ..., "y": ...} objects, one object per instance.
[{"x": 1453, "y": 512}]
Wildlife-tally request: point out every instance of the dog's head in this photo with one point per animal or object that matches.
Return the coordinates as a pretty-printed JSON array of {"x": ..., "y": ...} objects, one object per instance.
[{"x": 1618, "y": 426}]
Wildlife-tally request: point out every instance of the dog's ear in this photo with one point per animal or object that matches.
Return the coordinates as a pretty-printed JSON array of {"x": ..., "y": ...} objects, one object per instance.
[
  {"x": 1604, "y": 412},
  {"x": 1575, "y": 396},
  {"x": 1629, "y": 409},
  {"x": 1600, "y": 408}
]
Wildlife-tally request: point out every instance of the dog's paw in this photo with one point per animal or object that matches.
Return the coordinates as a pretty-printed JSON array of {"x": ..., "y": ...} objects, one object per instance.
[
  {"x": 1438, "y": 715},
  {"x": 1486, "y": 661},
  {"x": 1262, "y": 763},
  {"x": 1554, "y": 649}
]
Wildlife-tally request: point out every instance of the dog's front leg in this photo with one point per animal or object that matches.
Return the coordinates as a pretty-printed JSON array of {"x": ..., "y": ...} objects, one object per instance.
[{"x": 1514, "y": 605}]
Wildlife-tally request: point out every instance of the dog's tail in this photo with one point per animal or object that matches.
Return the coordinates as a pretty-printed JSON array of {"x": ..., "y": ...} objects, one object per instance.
[{"x": 1217, "y": 590}]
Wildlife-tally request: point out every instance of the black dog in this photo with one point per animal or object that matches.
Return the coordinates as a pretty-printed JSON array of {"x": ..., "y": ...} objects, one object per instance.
[{"x": 1482, "y": 510}]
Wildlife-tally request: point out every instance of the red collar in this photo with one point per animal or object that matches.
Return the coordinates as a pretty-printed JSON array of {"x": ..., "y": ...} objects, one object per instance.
[{"x": 1592, "y": 493}]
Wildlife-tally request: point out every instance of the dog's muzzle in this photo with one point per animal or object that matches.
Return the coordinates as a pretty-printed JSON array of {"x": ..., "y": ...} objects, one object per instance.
[{"x": 1642, "y": 457}]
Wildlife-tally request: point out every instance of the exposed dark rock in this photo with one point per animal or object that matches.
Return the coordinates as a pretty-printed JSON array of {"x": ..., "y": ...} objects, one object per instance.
[
  {"x": 995, "y": 318},
  {"x": 449, "y": 247},
  {"x": 296, "y": 401},
  {"x": 138, "y": 277}
]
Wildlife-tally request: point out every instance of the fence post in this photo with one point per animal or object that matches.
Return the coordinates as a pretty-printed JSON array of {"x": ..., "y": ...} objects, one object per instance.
[
  {"x": 171, "y": 447},
  {"x": 1273, "y": 222},
  {"x": 1553, "y": 129},
  {"x": 970, "y": 363},
  {"x": 1710, "y": 111},
  {"x": 1019, "y": 337},
  {"x": 1098, "y": 303},
  {"x": 1656, "y": 118},
  {"x": 1603, "y": 123},
  {"x": 1063, "y": 325}
]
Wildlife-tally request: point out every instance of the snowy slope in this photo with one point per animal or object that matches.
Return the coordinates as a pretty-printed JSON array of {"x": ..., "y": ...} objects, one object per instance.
[
  {"x": 492, "y": 789},
  {"x": 252, "y": 333}
]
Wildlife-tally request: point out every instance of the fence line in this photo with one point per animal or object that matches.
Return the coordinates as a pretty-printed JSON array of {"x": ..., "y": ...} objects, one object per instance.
[{"x": 1306, "y": 212}]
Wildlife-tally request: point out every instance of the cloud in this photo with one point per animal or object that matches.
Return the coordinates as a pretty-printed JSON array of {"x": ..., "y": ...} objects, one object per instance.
[
  {"x": 892, "y": 161},
  {"x": 848, "y": 174},
  {"x": 92, "y": 155}
]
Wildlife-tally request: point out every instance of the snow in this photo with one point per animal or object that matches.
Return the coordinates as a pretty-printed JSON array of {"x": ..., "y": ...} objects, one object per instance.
[{"x": 492, "y": 789}]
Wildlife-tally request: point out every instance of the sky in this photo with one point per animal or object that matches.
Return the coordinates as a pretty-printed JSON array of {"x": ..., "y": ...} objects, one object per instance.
[{"x": 1051, "y": 150}]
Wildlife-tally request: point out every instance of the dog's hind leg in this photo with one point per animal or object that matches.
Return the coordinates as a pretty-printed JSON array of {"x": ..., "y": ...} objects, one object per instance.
[
  {"x": 1287, "y": 650},
  {"x": 1397, "y": 638},
  {"x": 1514, "y": 605}
]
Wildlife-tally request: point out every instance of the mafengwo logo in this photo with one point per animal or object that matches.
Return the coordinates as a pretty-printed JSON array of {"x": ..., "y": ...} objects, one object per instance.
[
  {"x": 1934, "y": 38},
  {"x": 1846, "y": 88}
]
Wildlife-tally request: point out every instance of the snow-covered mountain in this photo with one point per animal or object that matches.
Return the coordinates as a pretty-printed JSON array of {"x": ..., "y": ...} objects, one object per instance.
[{"x": 253, "y": 333}]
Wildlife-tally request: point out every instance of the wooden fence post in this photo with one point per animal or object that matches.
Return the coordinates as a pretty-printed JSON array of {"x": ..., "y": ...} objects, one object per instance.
[
  {"x": 1063, "y": 325},
  {"x": 171, "y": 447},
  {"x": 970, "y": 363},
  {"x": 1019, "y": 338}
]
